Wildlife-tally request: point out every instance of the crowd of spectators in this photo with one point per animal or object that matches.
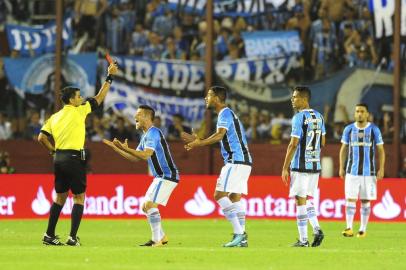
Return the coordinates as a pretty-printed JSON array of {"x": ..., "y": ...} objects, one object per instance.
[{"x": 335, "y": 34}]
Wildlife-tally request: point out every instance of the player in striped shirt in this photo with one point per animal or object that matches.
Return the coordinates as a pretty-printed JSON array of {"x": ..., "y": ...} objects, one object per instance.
[
  {"x": 233, "y": 180},
  {"x": 357, "y": 166},
  {"x": 154, "y": 149},
  {"x": 303, "y": 160}
]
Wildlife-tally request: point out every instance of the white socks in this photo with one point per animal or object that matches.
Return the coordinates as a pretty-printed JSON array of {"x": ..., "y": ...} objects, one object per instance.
[
  {"x": 350, "y": 209},
  {"x": 312, "y": 215},
  {"x": 154, "y": 220},
  {"x": 230, "y": 212},
  {"x": 301, "y": 217},
  {"x": 239, "y": 206},
  {"x": 365, "y": 211}
]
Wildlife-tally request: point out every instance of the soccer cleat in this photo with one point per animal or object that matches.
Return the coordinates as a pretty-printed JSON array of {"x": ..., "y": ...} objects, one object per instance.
[
  {"x": 361, "y": 234},
  {"x": 236, "y": 241},
  {"x": 301, "y": 244},
  {"x": 348, "y": 232},
  {"x": 318, "y": 238},
  {"x": 73, "y": 241},
  {"x": 165, "y": 240},
  {"x": 148, "y": 244},
  {"x": 51, "y": 240}
]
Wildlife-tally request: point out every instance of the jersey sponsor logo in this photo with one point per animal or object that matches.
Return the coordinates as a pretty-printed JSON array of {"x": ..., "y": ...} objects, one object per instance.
[
  {"x": 311, "y": 120},
  {"x": 387, "y": 208},
  {"x": 40, "y": 205},
  {"x": 367, "y": 144},
  {"x": 200, "y": 205}
]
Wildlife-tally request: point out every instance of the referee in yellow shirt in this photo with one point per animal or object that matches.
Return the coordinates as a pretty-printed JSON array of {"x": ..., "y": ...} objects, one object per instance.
[{"x": 67, "y": 127}]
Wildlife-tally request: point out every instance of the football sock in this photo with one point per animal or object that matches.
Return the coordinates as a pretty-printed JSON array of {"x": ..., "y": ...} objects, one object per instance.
[
  {"x": 239, "y": 206},
  {"x": 53, "y": 218},
  {"x": 231, "y": 214},
  {"x": 76, "y": 217},
  {"x": 365, "y": 211},
  {"x": 350, "y": 209},
  {"x": 311, "y": 214},
  {"x": 301, "y": 217},
  {"x": 154, "y": 219}
]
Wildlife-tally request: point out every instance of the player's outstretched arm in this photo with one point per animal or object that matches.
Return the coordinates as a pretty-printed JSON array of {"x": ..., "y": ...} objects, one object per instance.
[
  {"x": 288, "y": 158},
  {"x": 187, "y": 137},
  {"x": 119, "y": 151},
  {"x": 112, "y": 70},
  {"x": 144, "y": 154},
  {"x": 214, "y": 138}
]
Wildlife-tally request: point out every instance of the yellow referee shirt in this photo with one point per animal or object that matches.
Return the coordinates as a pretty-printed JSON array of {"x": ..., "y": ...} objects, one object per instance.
[{"x": 67, "y": 127}]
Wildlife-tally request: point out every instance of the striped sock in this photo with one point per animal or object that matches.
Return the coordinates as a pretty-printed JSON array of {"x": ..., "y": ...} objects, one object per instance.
[
  {"x": 240, "y": 213},
  {"x": 154, "y": 220},
  {"x": 365, "y": 211},
  {"x": 311, "y": 214},
  {"x": 231, "y": 214},
  {"x": 350, "y": 209},
  {"x": 301, "y": 217}
]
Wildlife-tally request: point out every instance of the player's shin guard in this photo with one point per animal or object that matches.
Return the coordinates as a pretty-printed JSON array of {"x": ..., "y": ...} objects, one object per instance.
[
  {"x": 301, "y": 217},
  {"x": 76, "y": 217},
  {"x": 239, "y": 206},
  {"x": 231, "y": 214},
  {"x": 311, "y": 214},
  {"x": 350, "y": 209},
  {"x": 154, "y": 220},
  {"x": 53, "y": 218},
  {"x": 365, "y": 211}
]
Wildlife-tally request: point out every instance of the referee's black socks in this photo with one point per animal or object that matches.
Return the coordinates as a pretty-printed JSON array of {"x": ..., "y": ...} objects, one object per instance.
[
  {"x": 76, "y": 217},
  {"x": 53, "y": 218}
]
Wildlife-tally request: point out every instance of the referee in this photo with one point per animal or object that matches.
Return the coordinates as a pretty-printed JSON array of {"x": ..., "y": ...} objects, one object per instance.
[{"x": 67, "y": 127}]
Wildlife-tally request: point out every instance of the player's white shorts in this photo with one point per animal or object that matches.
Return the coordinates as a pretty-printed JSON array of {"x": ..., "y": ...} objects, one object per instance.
[
  {"x": 362, "y": 186},
  {"x": 160, "y": 190},
  {"x": 303, "y": 184},
  {"x": 234, "y": 178}
]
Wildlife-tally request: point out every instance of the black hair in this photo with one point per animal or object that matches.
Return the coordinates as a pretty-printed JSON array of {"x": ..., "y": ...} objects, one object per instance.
[
  {"x": 304, "y": 91},
  {"x": 67, "y": 93},
  {"x": 220, "y": 92},
  {"x": 178, "y": 115},
  {"x": 149, "y": 109},
  {"x": 362, "y": 105}
]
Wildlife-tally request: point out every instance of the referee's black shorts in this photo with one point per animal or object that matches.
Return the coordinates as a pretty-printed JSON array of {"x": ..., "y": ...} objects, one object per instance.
[{"x": 70, "y": 172}]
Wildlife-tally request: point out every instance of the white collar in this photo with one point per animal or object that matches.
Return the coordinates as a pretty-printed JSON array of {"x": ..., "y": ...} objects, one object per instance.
[{"x": 368, "y": 124}]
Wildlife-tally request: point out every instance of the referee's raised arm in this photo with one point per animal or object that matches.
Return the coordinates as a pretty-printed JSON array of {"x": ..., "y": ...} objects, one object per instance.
[{"x": 112, "y": 70}]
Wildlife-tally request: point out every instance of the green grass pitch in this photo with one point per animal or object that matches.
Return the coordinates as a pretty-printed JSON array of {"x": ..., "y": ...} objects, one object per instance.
[{"x": 196, "y": 244}]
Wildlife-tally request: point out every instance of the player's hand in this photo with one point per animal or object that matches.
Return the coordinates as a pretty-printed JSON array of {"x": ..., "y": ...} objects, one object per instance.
[
  {"x": 285, "y": 176},
  {"x": 341, "y": 173},
  {"x": 193, "y": 144},
  {"x": 109, "y": 143},
  {"x": 187, "y": 137},
  {"x": 117, "y": 143},
  {"x": 380, "y": 174},
  {"x": 113, "y": 69}
]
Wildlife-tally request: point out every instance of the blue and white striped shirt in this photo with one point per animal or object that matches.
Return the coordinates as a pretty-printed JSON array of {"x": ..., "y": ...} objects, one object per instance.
[
  {"x": 308, "y": 127},
  {"x": 160, "y": 163},
  {"x": 361, "y": 143},
  {"x": 234, "y": 146}
]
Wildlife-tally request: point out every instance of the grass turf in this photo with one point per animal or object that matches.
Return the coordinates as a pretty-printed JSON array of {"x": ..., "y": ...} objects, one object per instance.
[{"x": 196, "y": 244}]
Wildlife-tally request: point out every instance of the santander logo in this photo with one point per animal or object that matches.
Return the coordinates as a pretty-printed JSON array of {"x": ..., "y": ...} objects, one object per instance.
[
  {"x": 200, "y": 205},
  {"x": 387, "y": 208},
  {"x": 40, "y": 205}
]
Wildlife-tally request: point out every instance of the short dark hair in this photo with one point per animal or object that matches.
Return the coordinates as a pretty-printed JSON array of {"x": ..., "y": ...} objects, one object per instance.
[
  {"x": 362, "y": 105},
  {"x": 149, "y": 109},
  {"x": 68, "y": 93},
  {"x": 304, "y": 91},
  {"x": 220, "y": 92}
]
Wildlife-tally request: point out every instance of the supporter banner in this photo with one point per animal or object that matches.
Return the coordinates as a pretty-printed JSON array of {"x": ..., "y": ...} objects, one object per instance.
[
  {"x": 171, "y": 77},
  {"x": 125, "y": 98},
  {"x": 383, "y": 14},
  {"x": 230, "y": 8},
  {"x": 36, "y": 75},
  {"x": 121, "y": 196},
  {"x": 40, "y": 39},
  {"x": 272, "y": 43}
]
